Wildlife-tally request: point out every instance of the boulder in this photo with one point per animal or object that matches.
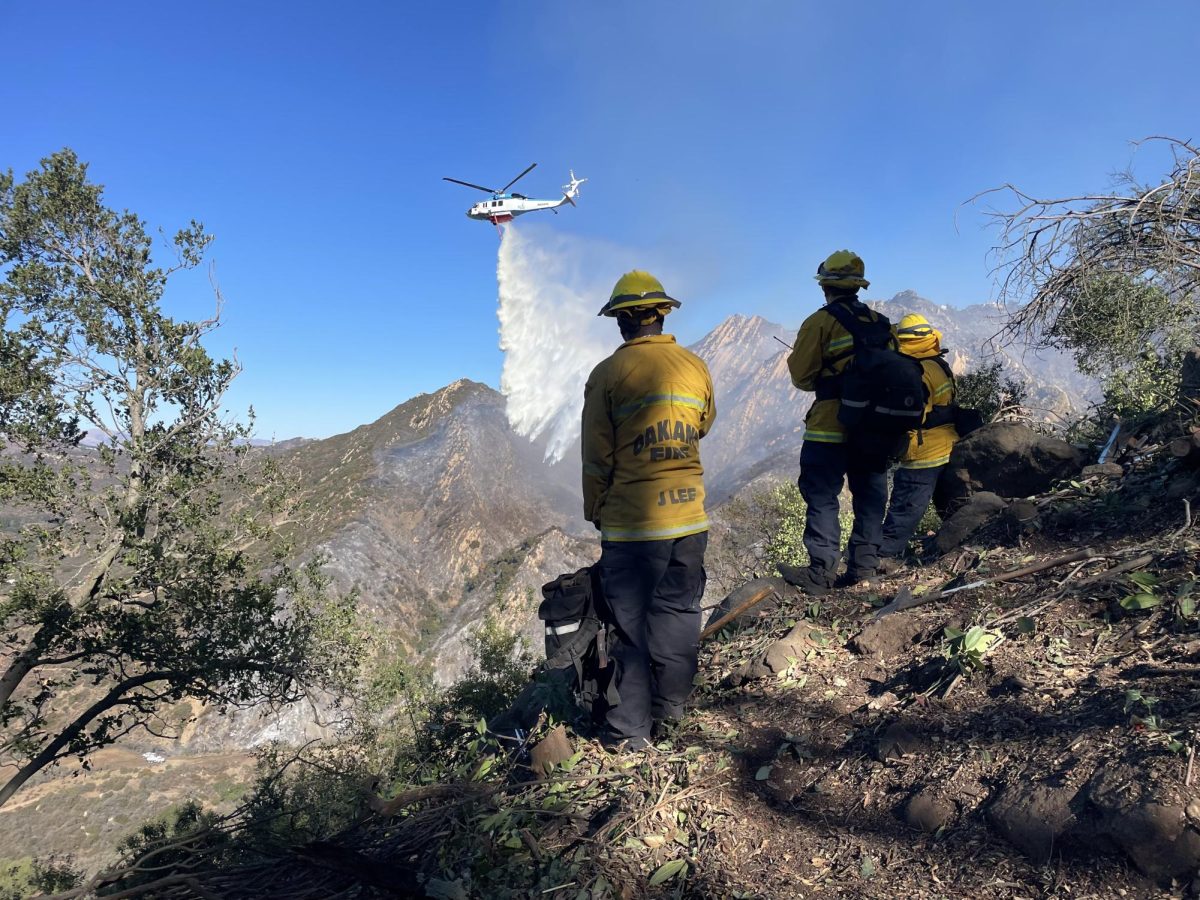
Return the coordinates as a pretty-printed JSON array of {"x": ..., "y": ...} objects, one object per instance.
[
  {"x": 969, "y": 518},
  {"x": 928, "y": 810},
  {"x": 1035, "y": 817},
  {"x": 747, "y": 591},
  {"x": 888, "y": 636},
  {"x": 898, "y": 742},
  {"x": 1022, "y": 515},
  {"x": 795, "y": 646},
  {"x": 1008, "y": 459},
  {"x": 1149, "y": 824},
  {"x": 780, "y": 655},
  {"x": 551, "y": 750}
]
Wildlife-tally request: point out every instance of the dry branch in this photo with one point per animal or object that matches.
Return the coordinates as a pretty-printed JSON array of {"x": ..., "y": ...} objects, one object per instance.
[{"x": 905, "y": 599}]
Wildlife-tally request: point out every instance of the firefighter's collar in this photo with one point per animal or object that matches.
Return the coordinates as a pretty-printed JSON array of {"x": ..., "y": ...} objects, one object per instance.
[{"x": 651, "y": 339}]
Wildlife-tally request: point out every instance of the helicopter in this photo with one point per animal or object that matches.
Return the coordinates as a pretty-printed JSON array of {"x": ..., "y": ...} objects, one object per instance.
[{"x": 503, "y": 207}]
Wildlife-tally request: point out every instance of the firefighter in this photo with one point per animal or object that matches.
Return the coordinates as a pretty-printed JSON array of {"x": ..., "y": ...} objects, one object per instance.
[
  {"x": 645, "y": 409},
  {"x": 928, "y": 448},
  {"x": 822, "y": 350}
]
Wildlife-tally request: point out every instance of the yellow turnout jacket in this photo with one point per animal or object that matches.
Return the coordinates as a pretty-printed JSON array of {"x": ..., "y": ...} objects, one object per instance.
[
  {"x": 645, "y": 409},
  {"x": 931, "y": 447}
]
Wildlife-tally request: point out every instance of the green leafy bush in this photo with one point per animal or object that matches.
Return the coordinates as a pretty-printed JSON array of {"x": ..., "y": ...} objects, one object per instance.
[{"x": 989, "y": 390}]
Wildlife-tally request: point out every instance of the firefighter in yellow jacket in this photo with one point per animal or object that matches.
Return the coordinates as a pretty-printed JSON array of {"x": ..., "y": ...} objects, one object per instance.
[
  {"x": 645, "y": 409},
  {"x": 929, "y": 448},
  {"x": 822, "y": 351}
]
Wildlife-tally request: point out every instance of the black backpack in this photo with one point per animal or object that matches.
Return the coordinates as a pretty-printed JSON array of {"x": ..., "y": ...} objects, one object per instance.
[
  {"x": 881, "y": 391},
  {"x": 576, "y": 676},
  {"x": 578, "y": 636}
]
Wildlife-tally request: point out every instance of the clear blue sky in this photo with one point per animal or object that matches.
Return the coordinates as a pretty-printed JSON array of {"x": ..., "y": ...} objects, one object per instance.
[{"x": 733, "y": 143}]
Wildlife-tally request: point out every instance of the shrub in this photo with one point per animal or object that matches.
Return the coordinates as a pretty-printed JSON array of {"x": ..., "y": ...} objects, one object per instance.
[{"x": 989, "y": 390}]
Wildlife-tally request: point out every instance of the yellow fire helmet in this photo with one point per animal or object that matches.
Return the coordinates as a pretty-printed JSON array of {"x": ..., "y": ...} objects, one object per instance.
[
  {"x": 842, "y": 269},
  {"x": 917, "y": 337},
  {"x": 914, "y": 325},
  {"x": 638, "y": 290}
]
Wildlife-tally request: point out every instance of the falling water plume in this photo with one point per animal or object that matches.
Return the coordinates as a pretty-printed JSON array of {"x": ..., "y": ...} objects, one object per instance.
[{"x": 549, "y": 332}]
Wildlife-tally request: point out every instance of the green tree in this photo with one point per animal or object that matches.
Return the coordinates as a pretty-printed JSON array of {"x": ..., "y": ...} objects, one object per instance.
[{"x": 129, "y": 583}]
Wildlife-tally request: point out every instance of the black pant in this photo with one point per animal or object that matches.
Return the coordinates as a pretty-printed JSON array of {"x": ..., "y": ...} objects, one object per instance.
[
  {"x": 912, "y": 490},
  {"x": 823, "y": 469},
  {"x": 653, "y": 589}
]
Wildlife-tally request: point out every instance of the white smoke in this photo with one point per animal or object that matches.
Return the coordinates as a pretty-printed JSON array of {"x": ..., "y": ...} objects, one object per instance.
[{"x": 549, "y": 331}]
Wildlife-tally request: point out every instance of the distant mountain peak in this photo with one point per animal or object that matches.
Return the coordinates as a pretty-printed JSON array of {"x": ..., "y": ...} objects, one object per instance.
[
  {"x": 739, "y": 331},
  {"x": 909, "y": 296}
]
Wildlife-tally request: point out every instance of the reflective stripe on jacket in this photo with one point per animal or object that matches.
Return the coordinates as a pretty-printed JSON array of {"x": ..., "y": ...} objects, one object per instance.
[
  {"x": 645, "y": 409},
  {"x": 821, "y": 338},
  {"x": 931, "y": 447}
]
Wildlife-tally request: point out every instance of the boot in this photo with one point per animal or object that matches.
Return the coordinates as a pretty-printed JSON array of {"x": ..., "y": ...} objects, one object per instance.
[
  {"x": 813, "y": 582},
  {"x": 851, "y": 577}
]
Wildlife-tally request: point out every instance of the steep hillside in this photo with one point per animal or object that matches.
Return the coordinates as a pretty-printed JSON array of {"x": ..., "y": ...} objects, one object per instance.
[
  {"x": 412, "y": 506},
  {"x": 441, "y": 517}
]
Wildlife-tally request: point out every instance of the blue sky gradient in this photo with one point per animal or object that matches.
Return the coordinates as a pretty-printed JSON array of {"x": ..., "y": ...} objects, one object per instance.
[{"x": 732, "y": 145}]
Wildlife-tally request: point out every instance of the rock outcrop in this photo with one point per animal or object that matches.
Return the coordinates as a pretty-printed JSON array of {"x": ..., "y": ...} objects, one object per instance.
[{"x": 1006, "y": 459}]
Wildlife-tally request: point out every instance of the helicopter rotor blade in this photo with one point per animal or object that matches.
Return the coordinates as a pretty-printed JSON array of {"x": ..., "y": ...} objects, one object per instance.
[
  {"x": 532, "y": 166},
  {"x": 477, "y": 187}
]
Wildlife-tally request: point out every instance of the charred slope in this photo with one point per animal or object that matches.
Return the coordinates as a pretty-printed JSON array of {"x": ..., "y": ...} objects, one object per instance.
[{"x": 412, "y": 506}]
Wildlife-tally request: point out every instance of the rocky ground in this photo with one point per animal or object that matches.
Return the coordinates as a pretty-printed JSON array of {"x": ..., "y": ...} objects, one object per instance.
[{"x": 1028, "y": 736}]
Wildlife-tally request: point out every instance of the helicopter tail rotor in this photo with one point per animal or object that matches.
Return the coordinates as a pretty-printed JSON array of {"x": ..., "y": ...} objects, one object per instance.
[{"x": 571, "y": 191}]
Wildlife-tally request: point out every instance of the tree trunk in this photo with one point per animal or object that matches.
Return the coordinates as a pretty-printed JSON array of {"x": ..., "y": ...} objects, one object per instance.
[{"x": 49, "y": 753}]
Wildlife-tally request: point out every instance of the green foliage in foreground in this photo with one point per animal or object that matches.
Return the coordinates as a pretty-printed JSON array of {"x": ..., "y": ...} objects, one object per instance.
[
  {"x": 406, "y": 732},
  {"x": 129, "y": 584},
  {"x": 765, "y": 529},
  {"x": 1131, "y": 334},
  {"x": 20, "y": 878}
]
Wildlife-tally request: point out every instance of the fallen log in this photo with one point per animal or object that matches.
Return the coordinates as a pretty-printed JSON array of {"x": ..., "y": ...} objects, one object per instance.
[{"x": 741, "y": 601}]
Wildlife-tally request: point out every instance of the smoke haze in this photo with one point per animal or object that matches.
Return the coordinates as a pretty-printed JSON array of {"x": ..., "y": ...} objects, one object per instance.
[{"x": 549, "y": 331}]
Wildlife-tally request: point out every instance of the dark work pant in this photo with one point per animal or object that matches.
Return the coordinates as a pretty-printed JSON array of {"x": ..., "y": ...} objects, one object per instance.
[
  {"x": 823, "y": 469},
  {"x": 912, "y": 490},
  {"x": 653, "y": 589}
]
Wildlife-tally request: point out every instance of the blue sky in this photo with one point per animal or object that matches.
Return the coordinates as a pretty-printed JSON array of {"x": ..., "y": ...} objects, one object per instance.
[{"x": 733, "y": 144}]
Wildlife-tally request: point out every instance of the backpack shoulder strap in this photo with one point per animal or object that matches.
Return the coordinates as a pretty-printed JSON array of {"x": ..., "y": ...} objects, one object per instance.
[
  {"x": 845, "y": 317},
  {"x": 875, "y": 332},
  {"x": 940, "y": 359}
]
